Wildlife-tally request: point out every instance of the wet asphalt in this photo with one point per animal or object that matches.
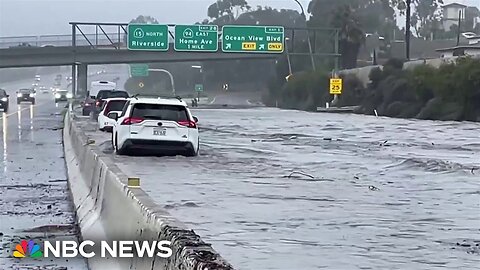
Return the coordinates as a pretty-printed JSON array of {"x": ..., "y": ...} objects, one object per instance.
[{"x": 34, "y": 197}]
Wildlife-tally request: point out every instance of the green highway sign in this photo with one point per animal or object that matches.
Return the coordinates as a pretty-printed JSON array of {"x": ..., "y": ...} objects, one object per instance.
[
  {"x": 147, "y": 37},
  {"x": 253, "y": 39},
  {"x": 138, "y": 70},
  {"x": 196, "y": 38},
  {"x": 199, "y": 87}
]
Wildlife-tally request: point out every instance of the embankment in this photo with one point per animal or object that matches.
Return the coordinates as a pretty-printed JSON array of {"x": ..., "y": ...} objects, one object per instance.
[{"x": 108, "y": 209}]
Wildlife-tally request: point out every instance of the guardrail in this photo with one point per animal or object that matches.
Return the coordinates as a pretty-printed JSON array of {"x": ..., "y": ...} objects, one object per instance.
[{"x": 59, "y": 40}]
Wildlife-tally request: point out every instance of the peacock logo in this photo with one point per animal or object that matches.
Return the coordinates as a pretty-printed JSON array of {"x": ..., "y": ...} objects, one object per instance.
[{"x": 27, "y": 249}]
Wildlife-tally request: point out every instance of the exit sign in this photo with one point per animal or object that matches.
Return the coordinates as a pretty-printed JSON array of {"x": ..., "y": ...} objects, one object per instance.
[
  {"x": 196, "y": 38},
  {"x": 256, "y": 39}
]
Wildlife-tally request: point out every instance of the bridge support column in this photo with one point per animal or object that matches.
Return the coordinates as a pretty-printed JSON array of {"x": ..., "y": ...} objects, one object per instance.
[{"x": 82, "y": 72}]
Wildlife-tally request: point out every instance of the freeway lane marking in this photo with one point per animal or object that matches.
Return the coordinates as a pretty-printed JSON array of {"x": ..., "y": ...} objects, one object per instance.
[
  {"x": 213, "y": 101},
  {"x": 17, "y": 111}
]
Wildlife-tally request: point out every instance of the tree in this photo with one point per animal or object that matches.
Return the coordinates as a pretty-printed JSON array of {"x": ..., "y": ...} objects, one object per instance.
[
  {"x": 227, "y": 7},
  {"x": 144, "y": 19},
  {"x": 470, "y": 14},
  {"x": 351, "y": 36},
  {"x": 425, "y": 17},
  {"x": 341, "y": 14}
]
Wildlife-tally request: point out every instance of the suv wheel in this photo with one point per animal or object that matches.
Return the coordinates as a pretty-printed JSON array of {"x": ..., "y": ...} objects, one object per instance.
[
  {"x": 117, "y": 150},
  {"x": 191, "y": 152}
]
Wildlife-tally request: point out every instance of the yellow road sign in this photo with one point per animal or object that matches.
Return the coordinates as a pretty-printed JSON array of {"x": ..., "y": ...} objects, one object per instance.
[
  {"x": 250, "y": 46},
  {"x": 275, "y": 46},
  {"x": 336, "y": 86}
]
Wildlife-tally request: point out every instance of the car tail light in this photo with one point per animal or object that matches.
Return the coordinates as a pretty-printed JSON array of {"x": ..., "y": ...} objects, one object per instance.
[
  {"x": 132, "y": 120},
  {"x": 187, "y": 123},
  {"x": 98, "y": 103}
]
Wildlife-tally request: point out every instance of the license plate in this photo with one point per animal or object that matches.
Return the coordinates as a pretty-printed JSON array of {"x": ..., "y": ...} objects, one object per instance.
[{"x": 159, "y": 131}]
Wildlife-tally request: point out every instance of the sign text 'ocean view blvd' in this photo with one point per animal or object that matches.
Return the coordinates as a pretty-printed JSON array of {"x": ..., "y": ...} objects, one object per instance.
[
  {"x": 203, "y": 38},
  {"x": 148, "y": 37},
  {"x": 260, "y": 39}
]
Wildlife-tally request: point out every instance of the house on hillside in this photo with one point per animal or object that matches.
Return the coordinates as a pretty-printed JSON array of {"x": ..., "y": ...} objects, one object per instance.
[
  {"x": 470, "y": 16},
  {"x": 451, "y": 13}
]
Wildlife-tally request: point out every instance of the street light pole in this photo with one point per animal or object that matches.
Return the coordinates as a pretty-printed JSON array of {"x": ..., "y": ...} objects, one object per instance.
[
  {"x": 169, "y": 74},
  {"x": 308, "y": 36},
  {"x": 407, "y": 30}
]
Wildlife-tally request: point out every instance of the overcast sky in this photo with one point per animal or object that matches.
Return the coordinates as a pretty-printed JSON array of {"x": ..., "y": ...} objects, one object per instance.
[{"x": 41, "y": 17}]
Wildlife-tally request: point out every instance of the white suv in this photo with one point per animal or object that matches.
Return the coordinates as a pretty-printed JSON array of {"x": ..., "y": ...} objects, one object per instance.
[
  {"x": 110, "y": 105},
  {"x": 159, "y": 124}
]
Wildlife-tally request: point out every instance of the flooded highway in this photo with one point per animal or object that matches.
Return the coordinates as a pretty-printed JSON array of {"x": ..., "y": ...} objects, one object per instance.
[{"x": 279, "y": 189}]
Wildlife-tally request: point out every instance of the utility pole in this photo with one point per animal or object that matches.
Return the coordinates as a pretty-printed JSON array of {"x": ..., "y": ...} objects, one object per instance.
[
  {"x": 407, "y": 30},
  {"x": 459, "y": 30},
  {"x": 308, "y": 36}
]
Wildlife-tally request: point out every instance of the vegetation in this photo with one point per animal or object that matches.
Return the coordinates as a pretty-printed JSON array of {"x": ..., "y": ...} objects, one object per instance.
[{"x": 450, "y": 92}]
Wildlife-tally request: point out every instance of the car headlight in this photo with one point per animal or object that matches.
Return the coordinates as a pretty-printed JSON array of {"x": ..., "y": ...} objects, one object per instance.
[
  {"x": 58, "y": 96},
  {"x": 19, "y": 95},
  {"x": 4, "y": 99},
  {"x": 32, "y": 95},
  {"x": 69, "y": 95}
]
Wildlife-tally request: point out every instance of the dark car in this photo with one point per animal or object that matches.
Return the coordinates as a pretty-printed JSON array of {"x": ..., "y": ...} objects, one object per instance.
[
  {"x": 88, "y": 105},
  {"x": 62, "y": 95},
  {"x": 104, "y": 94},
  {"x": 4, "y": 100},
  {"x": 26, "y": 94}
]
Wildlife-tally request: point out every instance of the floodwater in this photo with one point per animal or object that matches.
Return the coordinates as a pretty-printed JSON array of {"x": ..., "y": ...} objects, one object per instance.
[{"x": 278, "y": 189}]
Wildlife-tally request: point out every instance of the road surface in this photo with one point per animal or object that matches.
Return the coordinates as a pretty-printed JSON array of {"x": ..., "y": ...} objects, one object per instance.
[{"x": 34, "y": 198}]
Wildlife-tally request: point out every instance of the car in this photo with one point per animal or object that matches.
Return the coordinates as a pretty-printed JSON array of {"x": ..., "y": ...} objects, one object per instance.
[
  {"x": 163, "y": 125},
  {"x": 43, "y": 89},
  {"x": 110, "y": 105},
  {"x": 62, "y": 95},
  {"x": 4, "y": 100},
  {"x": 88, "y": 105},
  {"x": 37, "y": 78},
  {"x": 104, "y": 94},
  {"x": 26, "y": 94}
]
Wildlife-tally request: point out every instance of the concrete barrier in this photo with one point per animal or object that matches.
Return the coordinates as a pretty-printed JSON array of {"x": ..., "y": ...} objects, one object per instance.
[{"x": 108, "y": 209}]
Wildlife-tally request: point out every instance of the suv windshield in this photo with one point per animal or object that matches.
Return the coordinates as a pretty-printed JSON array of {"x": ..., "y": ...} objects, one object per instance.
[
  {"x": 103, "y": 94},
  {"x": 115, "y": 105},
  {"x": 26, "y": 91},
  {"x": 160, "y": 112}
]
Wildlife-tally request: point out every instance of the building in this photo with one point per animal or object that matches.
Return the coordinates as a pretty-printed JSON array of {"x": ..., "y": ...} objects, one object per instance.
[
  {"x": 451, "y": 13},
  {"x": 466, "y": 50},
  {"x": 474, "y": 40}
]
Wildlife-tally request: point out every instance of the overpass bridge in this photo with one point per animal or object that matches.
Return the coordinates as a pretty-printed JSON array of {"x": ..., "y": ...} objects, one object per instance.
[{"x": 105, "y": 43}]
